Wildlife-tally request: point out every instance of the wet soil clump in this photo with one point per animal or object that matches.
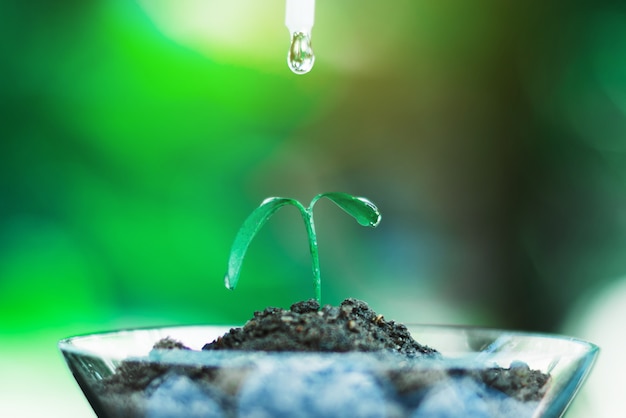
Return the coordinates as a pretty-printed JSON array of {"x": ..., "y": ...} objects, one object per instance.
[{"x": 351, "y": 326}]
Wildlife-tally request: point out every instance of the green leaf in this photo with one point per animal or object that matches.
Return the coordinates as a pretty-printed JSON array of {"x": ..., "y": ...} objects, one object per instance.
[
  {"x": 361, "y": 209},
  {"x": 246, "y": 233}
]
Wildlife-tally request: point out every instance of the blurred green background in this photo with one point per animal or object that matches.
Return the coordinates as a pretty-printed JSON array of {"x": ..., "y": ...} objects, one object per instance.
[{"x": 136, "y": 136}]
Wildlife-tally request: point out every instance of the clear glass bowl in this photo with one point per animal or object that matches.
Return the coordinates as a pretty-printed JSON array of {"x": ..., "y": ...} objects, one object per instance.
[{"x": 481, "y": 373}]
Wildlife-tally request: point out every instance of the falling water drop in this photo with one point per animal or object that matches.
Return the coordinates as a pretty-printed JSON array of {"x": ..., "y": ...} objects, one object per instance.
[{"x": 300, "y": 57}]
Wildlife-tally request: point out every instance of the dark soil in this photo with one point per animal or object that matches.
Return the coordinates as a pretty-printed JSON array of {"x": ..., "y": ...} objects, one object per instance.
[{"x": 352, "y": 326}]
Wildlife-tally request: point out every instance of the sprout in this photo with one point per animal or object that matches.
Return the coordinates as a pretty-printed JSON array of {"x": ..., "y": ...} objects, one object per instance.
[{"x": 364, "y": 211}]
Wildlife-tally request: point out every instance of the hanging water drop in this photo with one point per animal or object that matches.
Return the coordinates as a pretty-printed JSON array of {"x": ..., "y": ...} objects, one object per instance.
[
  {"x": 299, "y": 18},
  {"x": 300, "y": 57}
]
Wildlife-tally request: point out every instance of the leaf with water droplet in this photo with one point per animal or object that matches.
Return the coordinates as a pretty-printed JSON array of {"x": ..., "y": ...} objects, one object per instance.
[
  {"x": 364, "y": 211},
  {"x": 246, "y": 233}
]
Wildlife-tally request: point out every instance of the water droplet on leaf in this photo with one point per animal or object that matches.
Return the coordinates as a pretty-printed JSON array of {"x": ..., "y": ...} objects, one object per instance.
[
  {"x": 373, "y": 218},
  {"x": 227, "y": 283}
]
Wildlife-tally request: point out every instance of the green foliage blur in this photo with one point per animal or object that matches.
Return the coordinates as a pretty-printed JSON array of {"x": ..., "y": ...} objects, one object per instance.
[{"x": 138, "y": 135}]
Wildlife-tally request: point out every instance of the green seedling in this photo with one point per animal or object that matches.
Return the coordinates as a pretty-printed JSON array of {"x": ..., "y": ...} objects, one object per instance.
[{"x": 364, "y": 211}]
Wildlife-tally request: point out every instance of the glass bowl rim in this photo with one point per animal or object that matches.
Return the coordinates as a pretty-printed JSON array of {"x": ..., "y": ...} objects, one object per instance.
[{"x": 67, "y": 343}]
